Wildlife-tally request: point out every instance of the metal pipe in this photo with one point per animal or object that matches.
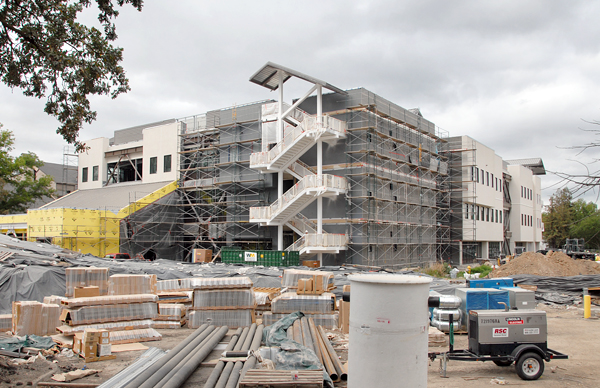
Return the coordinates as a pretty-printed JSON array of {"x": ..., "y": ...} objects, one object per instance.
[
  {"x": 314, "y": 334},
  {"x": 183, "y": 361},
  {"x": 229, "y": 365},
  {"x": 290, "y": 333},
  {"x": 214, "y": 376},
  {"x": 168, "y": 366},
  {"x": 254, "y": 345},
  {"x": 308, "y": 341},
  {"x": 192, "y": 364},
  {"x": 251, "y": 362},
  {"x": 327, "y": 363},
  {"x": 234, "y": 354},
  {"x": 341, "y": 369},
  {"x": 142, "y": 377}
]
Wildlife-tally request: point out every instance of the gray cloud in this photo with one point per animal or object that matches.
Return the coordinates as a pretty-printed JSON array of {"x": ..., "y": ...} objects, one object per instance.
[{"x": 517, "y": 76}]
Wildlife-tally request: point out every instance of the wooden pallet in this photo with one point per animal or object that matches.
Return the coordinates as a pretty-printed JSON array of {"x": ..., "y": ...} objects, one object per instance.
[{"x": 264, "y": 378}]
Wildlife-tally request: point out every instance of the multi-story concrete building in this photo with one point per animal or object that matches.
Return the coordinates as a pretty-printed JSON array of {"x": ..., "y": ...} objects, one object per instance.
[{"x": 496, "y": 205}]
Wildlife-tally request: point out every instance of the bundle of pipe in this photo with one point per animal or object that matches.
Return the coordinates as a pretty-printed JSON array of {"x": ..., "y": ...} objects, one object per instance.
[
  {"x": 445, "y": 306},
  {"x": 175, "y": 367},
  {"x": 227, "y": 374},
  {"x": 305, "y": 332}
]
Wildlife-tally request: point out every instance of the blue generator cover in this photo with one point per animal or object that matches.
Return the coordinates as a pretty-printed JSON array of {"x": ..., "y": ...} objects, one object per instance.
[
  {"x": 490, "y": 283},
  {"x": 495, "y": 296}
]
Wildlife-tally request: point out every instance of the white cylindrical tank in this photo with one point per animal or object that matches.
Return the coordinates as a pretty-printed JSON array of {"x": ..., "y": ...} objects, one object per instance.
[{"x": 388, "y": 331}]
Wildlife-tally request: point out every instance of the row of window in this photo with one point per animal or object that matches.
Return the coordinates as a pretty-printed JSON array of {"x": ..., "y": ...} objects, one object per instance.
[
  {"x": 84, "y": 174},
  {"x": 482, "y": 213},
  {"x": 126, "y": 171},
  {"x": 527, "y": 220},
  {"x": 486, "y": 178},
  {"x": 526, "y": 193}
]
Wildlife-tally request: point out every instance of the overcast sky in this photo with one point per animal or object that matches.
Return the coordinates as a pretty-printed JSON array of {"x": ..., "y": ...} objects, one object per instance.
[{"x": 519, "y": 76}]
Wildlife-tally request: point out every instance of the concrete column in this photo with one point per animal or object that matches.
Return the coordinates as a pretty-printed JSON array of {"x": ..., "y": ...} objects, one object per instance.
[
  {"x": 485, "y": 250},
  {"x": 460, "y": 253}
]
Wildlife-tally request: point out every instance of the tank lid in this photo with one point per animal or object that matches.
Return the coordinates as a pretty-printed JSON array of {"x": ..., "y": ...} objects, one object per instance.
[{"x": 390, "y": 279}]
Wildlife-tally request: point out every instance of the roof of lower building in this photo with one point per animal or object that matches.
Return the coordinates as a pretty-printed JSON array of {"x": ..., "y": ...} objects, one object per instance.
[
  {"x": 114, "y": 197},
  {"x": 534, "y": 164}
]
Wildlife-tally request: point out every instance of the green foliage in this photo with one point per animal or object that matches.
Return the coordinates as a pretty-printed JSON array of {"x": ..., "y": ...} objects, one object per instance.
[
  {"x": 484, "y": 270},
  {"x": 20, "y": 184},
  {"x": 567, "y": 219},
  {"x": 46, "y": 52},
  {"x": 438, "y": 270},
  {"x": 558, "y": 218}
]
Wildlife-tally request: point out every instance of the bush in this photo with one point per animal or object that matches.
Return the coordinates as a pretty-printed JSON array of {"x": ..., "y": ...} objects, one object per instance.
[
  {"x": 484, "y": 270},
  {"x": 437, "y": 270}
]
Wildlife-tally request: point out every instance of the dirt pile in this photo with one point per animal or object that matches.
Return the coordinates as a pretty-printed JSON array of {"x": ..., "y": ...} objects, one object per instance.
[{"x": 551, "y": 264}]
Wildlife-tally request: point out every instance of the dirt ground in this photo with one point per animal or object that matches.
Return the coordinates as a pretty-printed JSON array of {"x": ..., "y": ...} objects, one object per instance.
[{"x": 568, "y": 332}]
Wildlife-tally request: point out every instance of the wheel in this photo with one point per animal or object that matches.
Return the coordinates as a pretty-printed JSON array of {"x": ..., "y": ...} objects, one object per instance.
[
  {"x": 503, "y": 362},
  {"x": 530, "y": 366}
]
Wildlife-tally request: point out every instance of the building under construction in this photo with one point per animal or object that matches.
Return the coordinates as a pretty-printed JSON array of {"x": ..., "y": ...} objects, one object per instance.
[{"x": 342, "y": 176}]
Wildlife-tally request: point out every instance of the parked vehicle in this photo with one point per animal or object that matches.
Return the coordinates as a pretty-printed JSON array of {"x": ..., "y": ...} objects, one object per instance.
[
  {"x": 575, "y": 247},
  {"x": 118, "y": 256}
]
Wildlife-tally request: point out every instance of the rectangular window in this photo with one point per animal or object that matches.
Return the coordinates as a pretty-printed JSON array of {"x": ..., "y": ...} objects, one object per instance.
[
  {"x": 84, "y": 174},
  {"x": 497, "y": 187},
  {"x": 95, "y": 173},
  {"x": 472, "y": 212},
  {"x": 497, "y": 220},
  {"x": 492, "y": 217},
  {"x": 500, "y": 216},
  {"x": 492, "y": 180},
  {"x": 477, "y": 213},
  {"x": 167, "y": 163},
  {"x": 487, "y": 176},
  {"x": 487, "y": 216},
  {"x": 477, "y": 173},
  {"x": 482, "y": 177},
  {"x": 153, "y": 164},
  {"x": 521, "y": 191}
]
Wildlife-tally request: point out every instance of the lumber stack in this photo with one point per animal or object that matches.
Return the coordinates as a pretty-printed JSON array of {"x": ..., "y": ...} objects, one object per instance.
[
  {"x": 221, "y": 302},
  {"x": 86, "y": 277},
  {"x": 170, "y": 316},
  {"x": 261, "y": 378},
  {"x": 30, "y": 317}
]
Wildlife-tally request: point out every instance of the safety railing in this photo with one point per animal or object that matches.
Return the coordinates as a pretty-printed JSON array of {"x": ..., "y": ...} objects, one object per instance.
[
  {"x": 303, "y": 224},
  {"x": 315, "y": 240},
  {"x": 324, "y": 182}
]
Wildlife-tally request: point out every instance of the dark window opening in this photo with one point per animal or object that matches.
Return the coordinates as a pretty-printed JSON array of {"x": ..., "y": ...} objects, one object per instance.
[
  {"x": 124, "y": 171},
  {"x": 153, "y": 165},
  {"x": 84, "y": 174},
  {"x": 167, "y": 163},
  {"x": 95, "y": 173}
]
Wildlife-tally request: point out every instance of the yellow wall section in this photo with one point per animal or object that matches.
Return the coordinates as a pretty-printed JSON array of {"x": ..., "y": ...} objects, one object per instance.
[{"x": 87, "y": 231}]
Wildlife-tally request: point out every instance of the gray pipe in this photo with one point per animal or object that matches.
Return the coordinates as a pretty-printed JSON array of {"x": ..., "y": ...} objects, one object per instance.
[
  {"x": 229, "y": 366},
  {"x": 176, "y": 359},
  {"x": 192, "y": 364},
  {"x": 251, "y": 362},
  {"x": 142, "y": 377},
  {"x": 181, "y": 363},
  {"x": 214, "y": 376},
  {"x": 235, "y": 374}
]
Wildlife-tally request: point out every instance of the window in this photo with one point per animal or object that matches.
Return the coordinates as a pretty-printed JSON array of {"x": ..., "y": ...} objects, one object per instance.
[
  {"x": 95, "y": 173},
  {"x": 487, "y": 175},
  {"x": 477, "y": 213},
  {"x": 477, "y": 173},
  {"x": 466, "y": 211},
  {"x": 500, "y": 216},
  {"x": 497, "y": 220},
  {"x": 492, "y": 217},
  {"x": 84, "y": 174},
  {"x": 487, "y": 217},
  {"x": 497, "y": 187},
  {"x": 167, "y": 163},
  {"x": 482, "y": 177},
  {"x": 124, "y": 171},
  {"x": 153, "y": 163},
  {"x": 472, "y": 212},
  {"x": 492, "y": 180}
]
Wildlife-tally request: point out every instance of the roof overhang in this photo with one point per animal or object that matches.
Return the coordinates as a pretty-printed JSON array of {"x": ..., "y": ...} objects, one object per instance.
[
  {"x": 536, "y": 165},
  {"x": 267, "y": 77}
]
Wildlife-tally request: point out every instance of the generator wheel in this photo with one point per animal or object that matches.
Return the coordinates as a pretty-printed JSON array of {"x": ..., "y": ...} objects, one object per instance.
[
  {"x": 530, "y": 366},
  {"x": 503, "y": 362}
]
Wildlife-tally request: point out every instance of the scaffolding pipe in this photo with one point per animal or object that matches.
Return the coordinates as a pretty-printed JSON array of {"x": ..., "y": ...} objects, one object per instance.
[
  {"x": 251, "y": 362},
  {"x": 237, "y": 366},
  {"x": 214, "y": 376},
  {"x": 161, "y": 372},
  {"x": 341, "y": 369},
  {"x": 314, "y": 333},
  {"x": 308, "y": 341},
  {"x": 176, "y": 368},
  {"x": 192, "y": 364},
  {"x": 327, "y": 363},
  {"x": 229, "y": 366},
  {"x": 164, "y": 359}
]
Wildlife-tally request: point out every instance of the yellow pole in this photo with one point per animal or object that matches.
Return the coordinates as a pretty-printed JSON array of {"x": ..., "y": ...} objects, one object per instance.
[{"x": 587, "y": 306}]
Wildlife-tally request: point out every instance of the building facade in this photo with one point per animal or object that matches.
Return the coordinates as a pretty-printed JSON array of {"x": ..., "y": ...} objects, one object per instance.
[{"x": 496, "y": 205}]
